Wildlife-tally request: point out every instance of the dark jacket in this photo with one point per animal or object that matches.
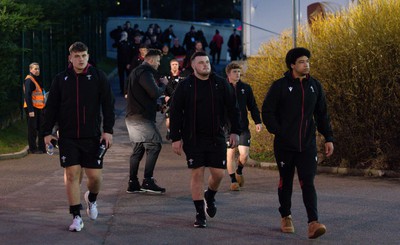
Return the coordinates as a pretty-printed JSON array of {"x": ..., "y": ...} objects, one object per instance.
[
  {"x": 292, "y": 110},
  {"x": 183, "y": 110},
  {"x": 173, "y": 82},
  {"x": 246, "y": 102},
  {"x": 124, "y": 52},
  {"x": 143, "y": 92},
  {"x": 75, "y": 101}
]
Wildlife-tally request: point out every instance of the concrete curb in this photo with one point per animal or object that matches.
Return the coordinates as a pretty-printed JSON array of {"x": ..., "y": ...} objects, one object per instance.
[
  {"x": 15, "y": 155},
  {"x": 335, "y": 170}
]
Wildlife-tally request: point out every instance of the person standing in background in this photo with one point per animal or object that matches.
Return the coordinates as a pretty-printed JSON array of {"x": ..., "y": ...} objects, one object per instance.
[
  {"x": 216, "y": 46},
  {"x": 174, "y": 78},
  {"x": 124, "y": 54},
  {"x": 235, "y": 45},
  {"x": 34, "y": 102}
]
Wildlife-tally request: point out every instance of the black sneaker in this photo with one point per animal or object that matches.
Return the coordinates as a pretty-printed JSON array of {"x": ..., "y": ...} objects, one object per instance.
[
  {"x": 200, "y": 222},
  {"x": 134, "y": 187},
  {"x": 209, "y": 205},
  {"x": 149, "y": 185}
]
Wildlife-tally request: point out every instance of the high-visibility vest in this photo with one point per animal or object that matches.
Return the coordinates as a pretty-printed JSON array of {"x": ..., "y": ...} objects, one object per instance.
[{"x": 37, "y": 94}]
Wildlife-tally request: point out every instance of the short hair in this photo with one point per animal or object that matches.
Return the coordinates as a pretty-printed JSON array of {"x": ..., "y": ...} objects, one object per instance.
[
  {"x": 231, "y": 66},
  {"x": 295, "y": 53},
  {"x": 78, "y": 47},
  {"x": 196, "y": 54},
  {"x": 152, "y": 52},
  {"x": 33, "y": 64},
  {"x": 174, "y": 60},
  {"x": 143, "y": 45}
]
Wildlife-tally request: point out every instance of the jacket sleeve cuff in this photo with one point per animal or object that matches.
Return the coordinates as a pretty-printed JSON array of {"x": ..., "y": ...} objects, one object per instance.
[
  {"x": 329, "y": 139},
  {"x": 108, "y": 130}
]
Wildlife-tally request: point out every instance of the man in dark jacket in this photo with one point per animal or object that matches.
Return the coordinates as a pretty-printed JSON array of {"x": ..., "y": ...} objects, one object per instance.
[
  {"x": 235, "y": 45},
  {"x": 201, "y": 106},
  {"x": 174, "y": 78},
  {"x": 124, "y": 49},
  {"x": 142, "y": 94},
  {"x": 293, "y": 107},
  {"x": 246, "y": 102},
  {"x": 76, "y": 97}
]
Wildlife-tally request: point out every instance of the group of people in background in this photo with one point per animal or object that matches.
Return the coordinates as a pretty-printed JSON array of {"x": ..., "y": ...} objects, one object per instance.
[
  {"x": 206, "y": 119},
  {"x": 130, "y": 41}
]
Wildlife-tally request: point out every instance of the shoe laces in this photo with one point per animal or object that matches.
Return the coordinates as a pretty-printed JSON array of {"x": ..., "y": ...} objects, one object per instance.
[
  {"x": 287, "y": 221},
  {"x": 92, "y": 205}
]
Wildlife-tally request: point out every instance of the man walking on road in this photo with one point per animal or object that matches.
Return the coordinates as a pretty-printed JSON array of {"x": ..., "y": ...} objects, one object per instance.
[
  {"x": 76, "y": 97},
  {"x": 246, "y": 102},
  {"x": 293, "y": 107},
  {"x": 143, "y": 92},
  {"x": 198, "y": 112}
]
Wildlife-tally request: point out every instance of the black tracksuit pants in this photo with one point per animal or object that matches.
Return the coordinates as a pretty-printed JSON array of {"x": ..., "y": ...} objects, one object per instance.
[{"x": 306, "y": 164}]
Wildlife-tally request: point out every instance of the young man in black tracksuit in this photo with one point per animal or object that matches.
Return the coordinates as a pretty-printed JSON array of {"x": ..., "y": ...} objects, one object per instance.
[
  {"x": 80, "y": 101},
  {"x": 294, "y": 107},
  {"x": 247, "y": 103},
  {"x": 201, "y": 106}
]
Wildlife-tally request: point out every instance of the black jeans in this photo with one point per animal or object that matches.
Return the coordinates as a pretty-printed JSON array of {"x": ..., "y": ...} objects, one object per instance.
[
  {"x": 35, "y": 130},
  {"x": 306, "y": 164},
  {"x": 152, "y": 151}
]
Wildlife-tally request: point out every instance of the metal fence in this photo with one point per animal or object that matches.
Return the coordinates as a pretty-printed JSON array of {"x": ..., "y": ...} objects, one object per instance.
[{"x": 48, "y": 45}]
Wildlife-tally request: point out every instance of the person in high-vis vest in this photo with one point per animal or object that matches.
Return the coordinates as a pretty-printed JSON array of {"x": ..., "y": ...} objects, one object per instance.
[{"x": 34, "y": 103}]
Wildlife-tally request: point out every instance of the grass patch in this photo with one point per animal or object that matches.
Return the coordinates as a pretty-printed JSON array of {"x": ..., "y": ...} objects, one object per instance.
[
  {"x": 14, "y": 138},
  {"x": 107, "y": 65}
]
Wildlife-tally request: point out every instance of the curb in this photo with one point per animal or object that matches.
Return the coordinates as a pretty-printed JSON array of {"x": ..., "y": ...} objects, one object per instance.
[
  {"x": 15, "y": 155},
  {"x": 335, "y": 170}
]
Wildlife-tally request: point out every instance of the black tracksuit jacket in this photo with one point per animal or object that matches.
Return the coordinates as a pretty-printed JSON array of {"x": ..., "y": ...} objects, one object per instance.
[
  {"x": 223, "y": 110},
  {"x": 143, "y": 92},
  {"x": 75, "y": 102},
  {"x": 293, "y": 109},
  {"x": 246, "y": 102}
]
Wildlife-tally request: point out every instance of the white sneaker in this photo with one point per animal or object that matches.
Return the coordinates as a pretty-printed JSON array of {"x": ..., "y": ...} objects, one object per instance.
[
  {"x": 91, "y": 207},
  {"x": 77, "y": 224}
]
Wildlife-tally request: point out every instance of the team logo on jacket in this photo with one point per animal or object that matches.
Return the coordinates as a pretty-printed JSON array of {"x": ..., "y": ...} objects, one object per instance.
[
  {"x": 312, "y": 89},
  {"x": 290, "y": 89},
  {"x": 242, "y": 90},
  {"x": 89, "y": 77}
]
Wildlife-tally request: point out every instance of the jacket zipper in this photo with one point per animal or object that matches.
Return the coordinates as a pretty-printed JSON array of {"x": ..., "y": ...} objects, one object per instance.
[
  {"x": 302, "y": 114},
  {"x": 77, "y": 106}
]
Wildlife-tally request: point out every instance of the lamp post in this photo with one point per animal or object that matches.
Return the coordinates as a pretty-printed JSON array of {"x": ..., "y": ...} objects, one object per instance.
[{"x": 296, "y": 19}]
